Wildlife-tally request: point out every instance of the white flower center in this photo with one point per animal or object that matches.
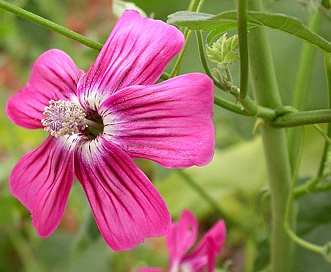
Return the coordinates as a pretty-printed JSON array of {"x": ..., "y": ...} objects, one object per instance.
[{"x": 63, "y": 118}]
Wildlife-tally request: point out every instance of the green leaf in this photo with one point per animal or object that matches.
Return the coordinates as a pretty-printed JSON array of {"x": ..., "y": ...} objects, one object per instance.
[{"x": 228, "y": 20}]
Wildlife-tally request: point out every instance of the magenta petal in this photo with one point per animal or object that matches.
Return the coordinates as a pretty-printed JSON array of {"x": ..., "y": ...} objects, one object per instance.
[
  {"x": 54, "y": 76},
  {"x": 42, "y": 180},
  {"x": 126, "y": 205},
  {"x": 150, "y": 269},
  {"x": 204, "y": 254},
  {"x": 170, "y": 123},
  {"x": 136, "y": 52},
  {"x": 181, "y": 237}
]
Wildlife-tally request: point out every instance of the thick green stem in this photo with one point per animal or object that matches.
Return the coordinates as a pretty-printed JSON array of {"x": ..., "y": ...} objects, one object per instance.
[
  {"x": 294, "y": 119},
  {"x": 275, "y": 145}
]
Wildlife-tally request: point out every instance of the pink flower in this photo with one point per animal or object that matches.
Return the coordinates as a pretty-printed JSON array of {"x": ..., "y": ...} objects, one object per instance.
[
  {"x": 98, "y": 121},
  {"x": 181, "y": 238}
]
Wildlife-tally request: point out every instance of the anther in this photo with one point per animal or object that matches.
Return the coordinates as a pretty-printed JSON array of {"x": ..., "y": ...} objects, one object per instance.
[{"x": 63, "y": 118}]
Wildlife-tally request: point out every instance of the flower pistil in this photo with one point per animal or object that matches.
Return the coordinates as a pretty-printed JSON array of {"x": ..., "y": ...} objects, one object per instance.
[{"x": 66, "y": 118}]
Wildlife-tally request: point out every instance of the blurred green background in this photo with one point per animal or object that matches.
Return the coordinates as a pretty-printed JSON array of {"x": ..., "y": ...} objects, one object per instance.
[{"x": 235, "y": 178}]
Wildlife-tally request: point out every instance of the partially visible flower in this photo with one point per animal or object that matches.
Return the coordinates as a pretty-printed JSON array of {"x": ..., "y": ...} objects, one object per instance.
[
  {"x": 98, "y": 121},
  {"x": 182, "y": 237}
]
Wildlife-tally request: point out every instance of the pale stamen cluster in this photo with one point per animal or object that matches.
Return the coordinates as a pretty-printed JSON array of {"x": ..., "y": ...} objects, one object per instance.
[{"x": 63, "y": 118}]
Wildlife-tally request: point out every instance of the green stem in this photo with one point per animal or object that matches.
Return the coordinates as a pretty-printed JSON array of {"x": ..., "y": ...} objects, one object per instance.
[
  {"x": 187, "y": 34},
  {"x": 176, "y": 68},
  {"x": 326, "y": 135},
  {"x": 243, "y": 48},
  {"x": 287, "y": 225},
  {"x": 229, "y": 105},
  {"x": 306, "y": 65},
  {"x": 54, "y": 27},
  {"x": 295, "y": 135},
  {"x": 265, "y": 113},
  {"x": 275, "y": 145},
  {"x": 49, "y": 25},
  {"x": 312, "y": 186},
  {"x": 327, "y": 66},
  {"x": 294, "y": 119},
  {"x": 165, "y": 76},
  {"x": 250, "y": 253},
  {"x": 192, "y": 4},
  {"x": 303, "y": 243}
]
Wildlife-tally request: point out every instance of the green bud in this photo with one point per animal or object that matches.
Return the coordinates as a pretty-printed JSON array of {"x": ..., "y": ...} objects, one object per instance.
[{"x": 224, "y": 51}]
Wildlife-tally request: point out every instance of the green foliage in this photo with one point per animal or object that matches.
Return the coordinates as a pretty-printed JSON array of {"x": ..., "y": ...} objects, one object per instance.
[
  {"x": 223, "y": 51},
  {"x": 226, "y": 21}
]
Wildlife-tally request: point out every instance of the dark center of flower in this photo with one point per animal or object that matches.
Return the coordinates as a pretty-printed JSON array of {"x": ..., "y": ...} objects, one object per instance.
[{"x": 67, "y": 118}]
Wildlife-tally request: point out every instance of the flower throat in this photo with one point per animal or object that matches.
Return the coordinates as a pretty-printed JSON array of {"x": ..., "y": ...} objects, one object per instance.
[{"x": 68, "y": 118}]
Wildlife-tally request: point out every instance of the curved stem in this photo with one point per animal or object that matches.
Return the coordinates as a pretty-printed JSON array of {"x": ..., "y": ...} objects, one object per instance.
[
  {"x": 265, "y": 113},
  {"x": 49, "y": 25},
  {"x": 229, "y": 106},
  {"x": 303, "y": 243}
]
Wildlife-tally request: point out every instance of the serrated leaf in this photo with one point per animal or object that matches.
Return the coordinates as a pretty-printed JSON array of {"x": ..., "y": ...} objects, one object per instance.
[{"x": 226, "y": 21}]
